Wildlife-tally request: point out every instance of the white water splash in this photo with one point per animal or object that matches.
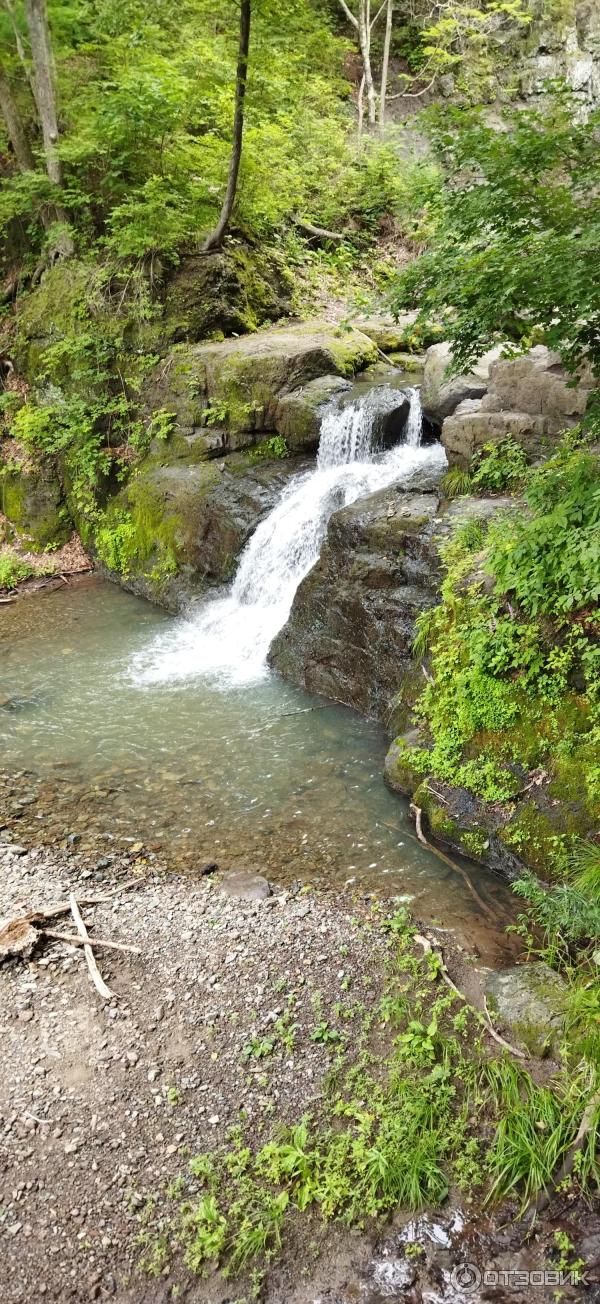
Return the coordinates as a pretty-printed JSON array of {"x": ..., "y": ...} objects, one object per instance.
[{"x": 228, "y": 638}]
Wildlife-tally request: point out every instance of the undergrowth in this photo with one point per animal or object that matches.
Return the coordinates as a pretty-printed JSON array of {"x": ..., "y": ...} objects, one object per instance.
[
  {"x": 514, "y": 684},
  {"x": 400, "y": 1124}
]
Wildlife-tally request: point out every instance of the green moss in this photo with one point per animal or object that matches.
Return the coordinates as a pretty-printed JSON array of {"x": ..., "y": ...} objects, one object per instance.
[
  {"x": 31, "y": 498},
  {"x": 534, "y": 837},
  {"x": 352, "y": 352},
  {"x": 140, "y": 538}
]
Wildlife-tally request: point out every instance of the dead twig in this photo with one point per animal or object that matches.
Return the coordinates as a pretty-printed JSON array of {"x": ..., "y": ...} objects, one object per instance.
[
  {"x": 64, "y": 907},
  {"x": 95, "y": 974},
  {"x": 428, "y": 948},
  {"x": 447, "y": 860},
  {"x": 75, "y": 940}
]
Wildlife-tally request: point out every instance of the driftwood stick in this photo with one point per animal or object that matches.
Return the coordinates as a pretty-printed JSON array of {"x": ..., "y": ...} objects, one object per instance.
[
  {"x": 75, "y": 940},
  {"x": 496, "y": 1035},
  {"x": 427, "y": 947},
  {"x": 95, "y": 974},
  {"x": 64, "y": 907},
  {"x": 441, "y": 855},
  {"x": 319, "y": 232}
]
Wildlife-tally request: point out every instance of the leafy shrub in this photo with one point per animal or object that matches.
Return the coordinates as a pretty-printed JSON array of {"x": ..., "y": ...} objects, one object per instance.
[
  {"x": 13, "y": 569},
  {"x": 550, "y": 560}
]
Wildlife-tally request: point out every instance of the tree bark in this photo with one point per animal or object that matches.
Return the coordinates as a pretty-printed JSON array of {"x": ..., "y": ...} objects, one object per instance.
[
  {"x": 364, "y": 41},
  {"x": 386, "y": 62},
  {"x": 216, "y": 238},
  {"x": 14, "y": 126},
  {"x": 10, "y": 9},
  {"x": 363, "y": 25},
  {"x": 44, "y": 92},
  {"x": 43, "y": 73}
]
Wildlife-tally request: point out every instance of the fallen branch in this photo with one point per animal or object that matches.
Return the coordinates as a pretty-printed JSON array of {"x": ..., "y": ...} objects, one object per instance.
[
  {"x": 95, "y": 974},
  {"x": 447, "y": 860},
  {"x": 428, "y": 948},
  {"x": 496, "y": 1035},
  {"x": 75, "y": 940},
  {"x": 64, "y": 907},
  {"x": 318, "y": 232}
]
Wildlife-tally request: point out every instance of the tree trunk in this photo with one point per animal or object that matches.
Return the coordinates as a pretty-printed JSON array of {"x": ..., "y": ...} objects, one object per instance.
[
  {"x": 43, "y": 72},
  {"x": 364, "y": 41},
  {"x": 45, "y": 99},
  {"x": 14, "y": 126},
  {"x": 216, "y": 238},
  {"x": 386, "y": 62}
]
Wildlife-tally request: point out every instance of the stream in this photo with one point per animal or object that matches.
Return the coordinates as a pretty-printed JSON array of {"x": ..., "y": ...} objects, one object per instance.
[{"x": 127, "y": 726}]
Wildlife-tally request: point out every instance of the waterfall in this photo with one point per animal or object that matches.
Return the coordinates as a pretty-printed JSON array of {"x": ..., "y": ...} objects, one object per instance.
[{"x": 228, "y": 637}]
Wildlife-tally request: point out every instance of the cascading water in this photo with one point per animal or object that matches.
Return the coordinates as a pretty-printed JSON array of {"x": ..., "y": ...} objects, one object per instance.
[{"x": 229, "y": 637}]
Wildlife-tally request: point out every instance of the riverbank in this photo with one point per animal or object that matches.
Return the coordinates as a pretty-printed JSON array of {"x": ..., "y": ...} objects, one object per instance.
[{"x": 237, "y": 1018}]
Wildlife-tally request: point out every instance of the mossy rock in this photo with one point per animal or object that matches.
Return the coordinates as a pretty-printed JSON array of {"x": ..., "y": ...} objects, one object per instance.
[
  {"x": 404, "y": 763},
  {"x": 225, "y": 293},
  {"x": 270, "y": 382},
  {"x": 175, "y": 530},
  {"x": 528, "y": 1000},
  {"x": 32, "y": 499}
]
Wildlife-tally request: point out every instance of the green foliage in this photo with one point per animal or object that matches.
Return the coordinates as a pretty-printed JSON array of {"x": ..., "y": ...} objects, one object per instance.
[
  {"x": 497, "y": 467},
  {"x": 13, "y": 569},
  {"x": 520, "y": 211},
  {"x": 146, "y": 110},
  {"x": 398, "y": 1136},
  {"x": 550, "y": 560},
  {"x": 512, "y": 690}
]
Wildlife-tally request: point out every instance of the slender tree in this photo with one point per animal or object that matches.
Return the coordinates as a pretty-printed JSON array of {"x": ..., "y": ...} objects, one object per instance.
[
  {"x": 44, "y": 84},
  {"x": 215, "y": 239},
  {"x": 387, "y": 41},
  {"x": 17, "y": 134},
  {"x": 363, "y": 24},
  {"x": 44, "y": 92}
]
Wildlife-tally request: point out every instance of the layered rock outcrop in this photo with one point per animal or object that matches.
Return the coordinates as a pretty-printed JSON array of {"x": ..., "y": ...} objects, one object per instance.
[
  {"x": 352, "y": 623},
  {"x": 530, "y": 398}
]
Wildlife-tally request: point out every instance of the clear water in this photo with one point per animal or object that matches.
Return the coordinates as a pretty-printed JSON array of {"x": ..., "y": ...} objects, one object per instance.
[
  {"x": 261, "y": 774},
  {"x": 135, "y": 726}
]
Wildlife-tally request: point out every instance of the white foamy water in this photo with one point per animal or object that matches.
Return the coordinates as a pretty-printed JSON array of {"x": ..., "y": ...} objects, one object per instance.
[{"x": 228, "y": 638}]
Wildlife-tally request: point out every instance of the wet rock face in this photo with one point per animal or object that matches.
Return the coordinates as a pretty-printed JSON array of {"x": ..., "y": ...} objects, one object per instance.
[
  {"x": 205, "y": 513},
  {"x": 352, "y": 623}
]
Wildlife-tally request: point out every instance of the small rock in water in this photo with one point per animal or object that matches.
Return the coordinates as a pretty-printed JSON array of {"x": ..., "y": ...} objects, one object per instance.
[{"x": 245, "y": 885}]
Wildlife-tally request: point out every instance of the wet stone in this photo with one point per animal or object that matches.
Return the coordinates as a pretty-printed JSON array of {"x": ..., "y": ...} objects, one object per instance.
[{"x": 245, "y": 885}]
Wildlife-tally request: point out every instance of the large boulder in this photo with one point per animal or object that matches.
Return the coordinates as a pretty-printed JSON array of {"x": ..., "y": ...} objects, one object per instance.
[
  {"x": 229, "y": 292},
  {"x": 441, "y": 392},
  {"x": 271, "y": 382},
  {"x": 528, "y": 1001},
  {"x": 531, "y": 398},
  {"x": 352, "y": 623}
]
